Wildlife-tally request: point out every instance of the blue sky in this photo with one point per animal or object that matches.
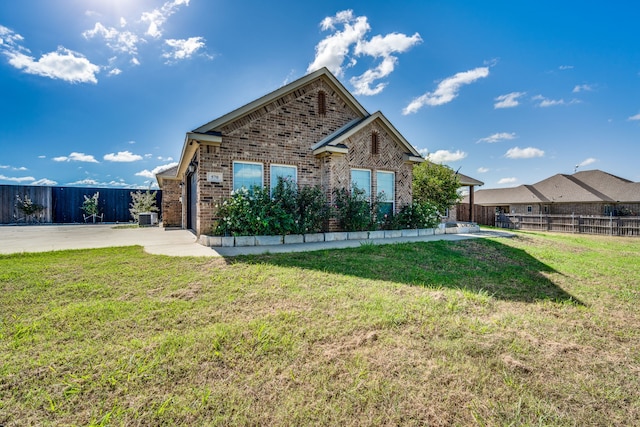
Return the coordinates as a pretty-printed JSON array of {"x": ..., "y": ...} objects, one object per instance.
[{"x": 101, "y": 93}]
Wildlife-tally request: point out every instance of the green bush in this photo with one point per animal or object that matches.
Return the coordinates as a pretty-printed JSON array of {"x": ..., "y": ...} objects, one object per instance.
[{"x": 417, "y": 215}]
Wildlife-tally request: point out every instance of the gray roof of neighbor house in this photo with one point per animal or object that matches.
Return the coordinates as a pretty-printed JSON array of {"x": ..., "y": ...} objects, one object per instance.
[
  {"x": 467, "y": 180},
  {"x": 582, "y": 187}
]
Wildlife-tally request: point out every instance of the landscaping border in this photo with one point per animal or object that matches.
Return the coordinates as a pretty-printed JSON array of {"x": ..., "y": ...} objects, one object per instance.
[{"x": 231, "y": 241}]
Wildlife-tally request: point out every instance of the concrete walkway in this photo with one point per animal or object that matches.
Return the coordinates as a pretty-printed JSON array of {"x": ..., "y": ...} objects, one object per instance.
[{"x": 157, "y": 240}]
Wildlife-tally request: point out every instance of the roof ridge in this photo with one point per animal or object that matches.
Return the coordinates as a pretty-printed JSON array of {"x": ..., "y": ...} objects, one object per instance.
[{"x": 536, "y": 192}]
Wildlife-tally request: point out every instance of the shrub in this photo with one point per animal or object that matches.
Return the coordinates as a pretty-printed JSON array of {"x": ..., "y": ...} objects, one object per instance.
[
  {"x": 90, "y": 205},
  {"x": 142, "y": 202},
  {"x": 314, "y": 210},
  {"x": 354, "y": 211},
  {"x": 417, "y": 215},
  {"x": 28, "y": 206}
]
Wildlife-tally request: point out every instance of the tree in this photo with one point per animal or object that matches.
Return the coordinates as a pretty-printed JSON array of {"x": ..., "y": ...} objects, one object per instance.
[
  {"x": 436, "y": 184},
  {"x": 142, "y": 202}
]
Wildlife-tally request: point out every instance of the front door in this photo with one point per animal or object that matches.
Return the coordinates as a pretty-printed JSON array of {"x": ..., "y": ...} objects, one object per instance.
[{"x": 192, "y": 200}]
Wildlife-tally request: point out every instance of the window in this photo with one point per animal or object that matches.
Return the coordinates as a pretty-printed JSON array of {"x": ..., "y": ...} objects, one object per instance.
[
  {"x": 375, "y": 149},
  {"x": 322, "y": 103},
  {"x": 283, "y": 171},
  {"x": 386, "y": 191},
  {"x": 529, "y": 209},
  {"x": 361, "y": 178},
  {"x": 247, "y": 175}
]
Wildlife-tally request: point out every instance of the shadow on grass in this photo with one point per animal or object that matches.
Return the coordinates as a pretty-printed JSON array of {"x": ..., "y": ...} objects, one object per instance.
[{"x": 475, "y": 265}]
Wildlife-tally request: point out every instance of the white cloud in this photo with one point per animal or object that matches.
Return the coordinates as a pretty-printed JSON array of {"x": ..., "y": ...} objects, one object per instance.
[
  {"x": 447, "y": 90},
  {"x": 183, "y": 48},
  {"x": 17, "y": 179},
  {"x": 636, "y": 117},
  {"x": 333, "y": 50},
  {"x": 63, "y": 64},
  {"x": 152, "y": 173},
  {"x": 586, "y": 162},
  {"x": 424, "y": 152},
  {"x": 122, "y": 156},
  {"x": 76, "y": 157},
  {"x": 115, "y": 72},
  {"x": 442, "y": 156},
  {"x": 157, "y": 17},
  {"x": 87, "y": 181},
  {"x": 546, "y": 102},
  {"x": 118, "y": 41},
  {"x": 44, "y": 181},
  {"x": 509, "y": 100},
  {"x": 565, "y": 67},
  {"x": 482, "y": 170},
  {"x": 582, "y": 88},
  {"x": 510, "y": 180},
  {"x": 524, "y": 153},
  {"x": 496, "y": 137}
]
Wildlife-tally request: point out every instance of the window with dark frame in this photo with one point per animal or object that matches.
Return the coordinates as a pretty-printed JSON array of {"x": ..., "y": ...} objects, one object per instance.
[{"x": 322, "y": 103}]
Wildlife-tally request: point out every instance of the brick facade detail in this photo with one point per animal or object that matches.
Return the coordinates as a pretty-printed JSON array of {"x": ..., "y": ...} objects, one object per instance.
[{"x": 283, "y": 131}]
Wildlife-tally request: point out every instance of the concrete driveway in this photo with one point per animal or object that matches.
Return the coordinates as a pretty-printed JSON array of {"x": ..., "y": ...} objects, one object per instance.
[{"x": 157, "y": 240}]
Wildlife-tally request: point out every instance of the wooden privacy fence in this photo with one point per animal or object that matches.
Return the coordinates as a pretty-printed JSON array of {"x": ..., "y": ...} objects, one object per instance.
[
  {"x": 484, "y": 215},
  {"x": 603, "y": 225},
  {"x": 61, "y": 205}
]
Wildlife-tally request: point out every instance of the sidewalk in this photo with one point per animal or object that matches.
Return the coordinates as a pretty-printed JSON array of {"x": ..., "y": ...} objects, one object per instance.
[{"x": 158, "y": 241}]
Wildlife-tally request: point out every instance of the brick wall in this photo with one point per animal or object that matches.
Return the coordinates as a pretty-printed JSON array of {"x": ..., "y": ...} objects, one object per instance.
[
  {"x": 171, "y": 206},
  {"x": 283, "y": 132}
]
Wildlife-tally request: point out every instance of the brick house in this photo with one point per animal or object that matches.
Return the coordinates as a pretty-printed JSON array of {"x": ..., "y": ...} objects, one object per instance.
[
  {"x": 311, "y": 130},
  {"x": 587, "y": 193}
]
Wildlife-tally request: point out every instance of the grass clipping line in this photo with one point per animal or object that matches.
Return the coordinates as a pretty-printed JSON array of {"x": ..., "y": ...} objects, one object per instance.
[{"x": 538, "y": 329}]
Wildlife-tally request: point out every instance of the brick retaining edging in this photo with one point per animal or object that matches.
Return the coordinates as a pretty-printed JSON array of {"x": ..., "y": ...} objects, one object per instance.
[{"x": 231, "y": 241}]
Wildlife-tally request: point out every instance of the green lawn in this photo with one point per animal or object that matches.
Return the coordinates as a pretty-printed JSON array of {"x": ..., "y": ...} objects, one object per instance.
[{"x": 540, "y": 329}]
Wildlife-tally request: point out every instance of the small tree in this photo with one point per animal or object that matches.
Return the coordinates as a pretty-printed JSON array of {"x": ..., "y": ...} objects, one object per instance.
[
  {"x": 27, "y": 206},
  {"x": 436, "y": 184},
  {"x": 142, "y": 202},
  {"x": 90, "y": 206}
]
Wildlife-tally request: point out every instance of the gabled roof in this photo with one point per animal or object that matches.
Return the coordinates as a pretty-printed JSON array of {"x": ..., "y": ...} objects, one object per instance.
[
  {"x": 249, "y": 108},
  {"x": 592, "y": 186},
  {"x": 335, "y": 141},
  {"x": 467, "y": 180}
]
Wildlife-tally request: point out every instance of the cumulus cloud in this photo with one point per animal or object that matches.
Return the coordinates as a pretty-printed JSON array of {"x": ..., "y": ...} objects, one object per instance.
[
  {"x": 44, "y": 181},
  {"x": 122, "y": 156},
  {"x": 442, "y": 156},
  {"x": 63, "y": 64},
  {"x": 183, "y": 48},
  {"x": 509, "y": 100},
  {"x": 16, "y": 178},
  {"x": 482, "y": 170},
  {"x": 565, "y": 67},
  {"x": 636, "y": 117},
  {"x": 157, "y": 17},
  {"x": 152, "y": 173},
  {"x": 76, "y": 157},
  {"x": 524, "y": 153},
  {"x": 447, "y": 90},
  {"x": 118, "y": 41},
  {"x": 510, "y": 180},
  {"x": 497, "y": 137},
  {"x": 335, "y": 49},
  {"x": 582, "y": 88}
]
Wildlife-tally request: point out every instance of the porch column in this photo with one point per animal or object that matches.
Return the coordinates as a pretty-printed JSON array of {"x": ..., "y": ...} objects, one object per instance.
[{"x": 471, "y": 213}]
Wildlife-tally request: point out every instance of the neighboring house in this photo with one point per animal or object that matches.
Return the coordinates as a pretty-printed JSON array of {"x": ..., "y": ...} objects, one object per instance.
[
  {"x": 593, "y": 193},
  {"x": 312, "y": 130}
]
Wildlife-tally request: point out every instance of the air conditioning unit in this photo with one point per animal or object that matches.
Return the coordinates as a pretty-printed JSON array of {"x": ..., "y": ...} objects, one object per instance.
[{"x": 147, "y": 219}]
